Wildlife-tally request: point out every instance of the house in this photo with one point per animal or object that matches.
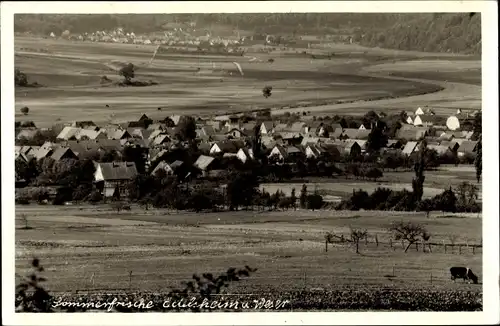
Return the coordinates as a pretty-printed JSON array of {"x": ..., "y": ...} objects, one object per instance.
[
  {"x": 43, "y": 153},
  {"x": 266, "y": 127},
  {"x": 207, "y": 131},
  {"x": 84, "y": 134},
  {"x": 362, "y": 143},
  {"x": 20, "y": 157},
  {"x": 467, "y": 147},
  {"x": 410, "y": 147},
  {"x": 427, "y": 120},
  {"x": 350, "y": 147},
  {"x": 351, "y": 133},
  {"x": 245, "y": 154},
  {"x": 440, "y": 149},
  {"x": 329, "y": 151},
  {"x": 291, "y": 138},
  {"x": 409, "y": 120},
  {"x": 69, "y": 133},
  {"x": 228, "y": 146},
  {"x": 203, "y": 163},
  {"x": 112, "y": 178},
  {"x": 235, "y": 133},
  {"x": 140, "y": 133},
  {"x": 248, "y": 127},
  {"x": 337, "y": 133},
  {"x": 163, "y": 166},
  {"x": 452, "y": 145},
  {"x": 160, "y": 140},
  {"x": 412, "y": 133},
  {"x": 280, "y": 127},
  {"x": 419, "y": 111},
  {"x": 362, "y": 127},
  {"x": 117, "y": 134},
  {"x": 62, "y": 153},
  {"x": 309, "y": 140},
  {"x": 285, "y": 153}
]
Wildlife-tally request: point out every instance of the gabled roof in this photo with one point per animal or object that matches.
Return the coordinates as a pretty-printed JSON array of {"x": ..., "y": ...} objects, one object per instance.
[
  {"x": 410, "y": 147},
  {"x": 118, "y": 170},
  {"x": 440, "y": 149},
  {"x": 116, "y": 134},
  {"x": 208, "y": 130},
  {"x": 83, "y": 124},
  {"x": 60, "y": 152},
  {"x": 176, "y": 164},
  {"x": 42, "y": 153},
  {"x": 203, "y": 162},
  {"x": 268, "y": 125},
  {"x": 90, "y": 134},
  {"x": 468, "y": 146},
  {"x": 160, "y": 139},
  {"x": 68, "y": 133},
  {"x": 230, "y": 146},
  {"x": 309, "y": 140},
  {"x": 356, "y": 133},
  {"x": 292, "y": 150},
  {"x": 297, "y": 127},
  {"x": 162, "y": 166}
]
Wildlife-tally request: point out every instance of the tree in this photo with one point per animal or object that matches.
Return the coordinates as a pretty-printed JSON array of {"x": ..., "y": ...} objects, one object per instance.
[
  {"x": 128, "y": 72},
  {"x": 328, "y": 239},
  {"x": 376, "y": 139},
  {"x": 356, "y": 236},
  {"x": 374, "y": 174},
  {"x": 418, "y": 181},
  {"x": 477, "y": 126},
  {"x": 25, "y": 110},
  {"x": 314, "y": 201},
  {"x": 293, "y": 199},
  {"x": 186, "y": 128},
  {"x": 20, "y": 79},
  {"x": 446, "y": 201},
  {"x": 408, "y": 231},
  {"x": 266, "y": 91},
  {"x": 467, "y": 194},
  {"x": 478, "y": 162},
  {"x": 241, "y": 190},
  {"x": 256, "y": 142},
  {"x": 303, "y": 196}
]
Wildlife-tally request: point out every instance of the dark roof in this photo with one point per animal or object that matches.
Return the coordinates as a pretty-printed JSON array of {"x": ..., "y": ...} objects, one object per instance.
[
  {"x": 118, "y": 170},
  {"x": 60, "y": 152}
]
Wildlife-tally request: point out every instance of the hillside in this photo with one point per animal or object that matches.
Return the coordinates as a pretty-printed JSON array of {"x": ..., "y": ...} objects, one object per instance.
[{"x": 449, "y": 32}]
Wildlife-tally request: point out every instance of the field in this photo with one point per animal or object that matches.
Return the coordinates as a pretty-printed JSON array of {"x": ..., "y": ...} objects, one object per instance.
[
  {"x": 354, "y": 78},
  {"x": 163, "y": 248},
  {"x": 335, "y": 189}
]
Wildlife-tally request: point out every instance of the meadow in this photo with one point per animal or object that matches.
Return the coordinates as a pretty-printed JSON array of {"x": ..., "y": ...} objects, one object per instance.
[
  {"x": 92, "y": 248},
  {"x": 207, "y": 85}
]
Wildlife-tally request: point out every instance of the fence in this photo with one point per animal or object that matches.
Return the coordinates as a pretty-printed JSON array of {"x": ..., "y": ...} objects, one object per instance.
[{"x": 424, "y": 246}]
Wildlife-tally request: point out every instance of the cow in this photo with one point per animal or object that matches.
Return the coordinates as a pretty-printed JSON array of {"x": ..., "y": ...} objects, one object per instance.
[{"x": 463, "y": 272}]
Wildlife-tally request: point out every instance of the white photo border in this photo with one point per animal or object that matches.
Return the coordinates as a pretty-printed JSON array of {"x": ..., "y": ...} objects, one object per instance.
[{"x": 491, "y": 303}]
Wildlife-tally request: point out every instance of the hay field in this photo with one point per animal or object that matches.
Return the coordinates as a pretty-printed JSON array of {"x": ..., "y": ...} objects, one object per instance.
[
  {"x": 71, "y": 72},
  {"x": 163, "y": 248}
]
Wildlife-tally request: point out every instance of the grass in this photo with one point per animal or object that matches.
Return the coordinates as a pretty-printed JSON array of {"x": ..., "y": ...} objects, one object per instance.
[
  {"x": 162, "y": 249},
  {"x": 71, "y": 72}
]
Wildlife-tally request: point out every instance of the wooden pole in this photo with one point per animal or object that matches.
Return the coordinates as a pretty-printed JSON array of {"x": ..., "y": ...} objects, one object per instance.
[
  {"x": 459, "y": 249},
  {"x": 390, "y": 242},
  {"x": 416, "y": 245},
  {"x": 376, "y": 239},
  {"x": 393, "y": 275},
  {"x": 130, "y": 279},
  {"x": 366, "y": 240},
  {"x": 445, "y": 248},
  {"x": 431, "y": 277},
  {"x": 326, "y": 245},
  {"x": 473, "y": 250}
]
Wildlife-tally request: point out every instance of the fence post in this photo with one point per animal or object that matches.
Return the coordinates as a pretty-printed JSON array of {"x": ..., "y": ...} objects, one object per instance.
[
  {"x": 416, "y": 245},
  {"x": 431, "y": 277},
  {"x": 130, "y": 279},
  {"x": 376, "y": 239},
  {"x": 393, "y": 274},
  {"x": 402, "y": 244},
  {"x": 326, "y": 245},
  {"x": 390, "y": 242},
  {"x": 459, "y": 249},
  {"x": 366, "y": 240},
  {"x": 473, "y": 250}
]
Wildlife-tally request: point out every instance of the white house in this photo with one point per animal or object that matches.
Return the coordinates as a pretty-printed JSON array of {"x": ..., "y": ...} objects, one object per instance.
[
  {"x": 419, "y": 111},
  {"x": 245, "y": 154},
  {"x": 409, "y": 120}
]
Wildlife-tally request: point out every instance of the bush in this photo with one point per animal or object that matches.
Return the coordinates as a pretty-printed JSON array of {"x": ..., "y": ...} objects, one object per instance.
[
  {"x": 379, "y": 198},
  {"x": 314, "y": 201},
  {"x": 94, "y": 197},
  {"x": 22, "y": 201}
]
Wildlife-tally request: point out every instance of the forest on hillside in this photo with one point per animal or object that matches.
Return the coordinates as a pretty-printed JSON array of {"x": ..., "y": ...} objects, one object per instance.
[{"x": 432, "y": 32}]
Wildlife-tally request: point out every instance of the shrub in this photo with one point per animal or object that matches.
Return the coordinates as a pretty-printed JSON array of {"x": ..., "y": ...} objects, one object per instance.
[
  {"x": 94, "y": 197},
  {"x": 314, "y": 201}
]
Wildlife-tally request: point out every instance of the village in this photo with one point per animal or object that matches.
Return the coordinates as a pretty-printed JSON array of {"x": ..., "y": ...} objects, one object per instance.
[{"x": 284, "y": 140}]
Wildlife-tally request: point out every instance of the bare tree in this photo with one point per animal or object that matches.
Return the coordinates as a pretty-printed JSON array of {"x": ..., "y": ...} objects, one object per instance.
[
  {"x": 356, "y": 236},
  {"x": 328, "y": 239},
  {"x": 408, "y": 231}
]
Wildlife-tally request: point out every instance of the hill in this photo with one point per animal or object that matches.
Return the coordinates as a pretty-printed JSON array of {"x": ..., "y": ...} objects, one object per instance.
[{"x": 446, "y": 32}]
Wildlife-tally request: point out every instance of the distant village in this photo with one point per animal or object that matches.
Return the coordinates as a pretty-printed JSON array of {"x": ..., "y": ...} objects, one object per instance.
[{"x": 283, "y": 141}]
